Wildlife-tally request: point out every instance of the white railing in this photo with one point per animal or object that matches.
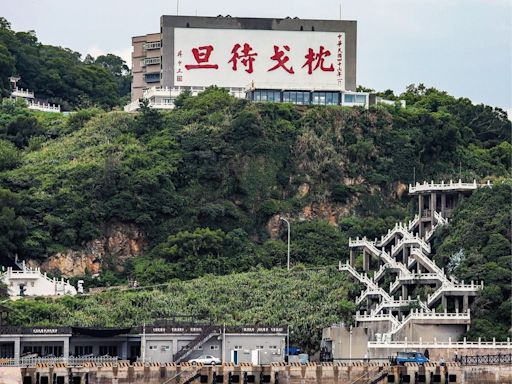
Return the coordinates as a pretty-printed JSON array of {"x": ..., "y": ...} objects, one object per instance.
[
  {"x": 364, "y": 242},
  {"x": 422, "y": 315},
  {"x": 372, "y": 291},
  {"x": 61, "y": 286},
  {"x": 402, "y": 344},
  {"x": 132, "y": 107},
  {"x": 398, "y": 228},
  {"x": 440, "y": 219},
  {"x": 400, "y": 303},
  {"x": 453, "y": 287},
  {"x": 444, "y": 186},
  {"x": 44, "y": 107},
  {"x": 416, "y": 240},
  {"x": 412, "y": 223},
  {"x": 20, "y": 92},
  {"x": 429, "y": 264},
  {"x": 378, "y": 317}
]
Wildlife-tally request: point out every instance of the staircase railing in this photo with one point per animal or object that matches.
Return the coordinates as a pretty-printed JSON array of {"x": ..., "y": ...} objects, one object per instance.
[{"x": 199, "y": 340}]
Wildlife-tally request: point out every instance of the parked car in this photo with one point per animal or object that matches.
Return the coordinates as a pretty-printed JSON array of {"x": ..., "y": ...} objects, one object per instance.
[
  {"x": 410, "y": 357},
  {"x": 206, "y": 360}
]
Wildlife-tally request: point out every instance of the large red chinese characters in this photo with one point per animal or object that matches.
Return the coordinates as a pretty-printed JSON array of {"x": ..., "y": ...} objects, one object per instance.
[
  {"x": 245, "y": 56},
  {"x": 281, "y": 58},
  {"x": 316, "y": 60},
  {"x": 202, "y": 57}
]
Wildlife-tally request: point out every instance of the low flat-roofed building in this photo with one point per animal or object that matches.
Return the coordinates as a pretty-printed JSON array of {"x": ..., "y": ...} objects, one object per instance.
[{"x": 151, "y": 343}]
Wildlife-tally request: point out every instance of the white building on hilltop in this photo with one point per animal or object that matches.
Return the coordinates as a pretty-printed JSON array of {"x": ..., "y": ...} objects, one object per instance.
[
  {"x": 31, "y": 282},
  {"x": 29, "y": 97}
]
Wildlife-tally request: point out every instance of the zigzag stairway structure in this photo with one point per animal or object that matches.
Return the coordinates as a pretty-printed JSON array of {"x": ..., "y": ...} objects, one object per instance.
[{"x": 407, "y": 296}]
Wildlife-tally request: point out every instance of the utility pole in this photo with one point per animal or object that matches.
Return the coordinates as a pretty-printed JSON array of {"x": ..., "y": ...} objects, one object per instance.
[
  {"x": 288, "y": 257},
  {"x": 177, "y": 7}
]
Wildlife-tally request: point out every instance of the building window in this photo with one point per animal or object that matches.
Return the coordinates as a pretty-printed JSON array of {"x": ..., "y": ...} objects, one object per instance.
[
  {"x": 350, "y": 98},
  {"x": 325, "y": 98},
  {"x": 152, "y": 45},
  {"x": 214, "y": 347},
  {"x": 152, "y": 77},
  {"x": 259, "y": 347},
  {"x": 296, "y": 97},
  {"x": 361, "y": 99},
  {"x": 153, "y": 348},
  {"x": 82, "y": 350},
  {"x": 151, "y": 60},
  {"x": 263, "y": 95},
  {"x": 238, "y": 347},
  {"x": 108, "y": 350},
  {"x": 166, "y": 348}
]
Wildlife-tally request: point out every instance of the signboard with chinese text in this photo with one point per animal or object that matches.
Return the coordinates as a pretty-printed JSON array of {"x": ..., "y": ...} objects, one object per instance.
[{"x": 267, "y": 58}]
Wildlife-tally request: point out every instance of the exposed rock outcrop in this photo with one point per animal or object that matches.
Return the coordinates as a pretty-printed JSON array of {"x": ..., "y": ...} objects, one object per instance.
[{"x": 120, "y": 243}]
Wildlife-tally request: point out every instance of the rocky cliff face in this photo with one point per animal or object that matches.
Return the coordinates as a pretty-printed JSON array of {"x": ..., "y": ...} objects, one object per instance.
[{"x": 119, "y": 243}]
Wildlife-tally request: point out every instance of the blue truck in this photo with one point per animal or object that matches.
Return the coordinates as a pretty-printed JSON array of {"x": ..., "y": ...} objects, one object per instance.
[{"x": 410, "y": 357}]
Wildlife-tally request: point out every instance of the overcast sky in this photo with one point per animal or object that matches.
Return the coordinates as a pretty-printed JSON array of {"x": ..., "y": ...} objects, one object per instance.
[{"x": 461, "y": 46}]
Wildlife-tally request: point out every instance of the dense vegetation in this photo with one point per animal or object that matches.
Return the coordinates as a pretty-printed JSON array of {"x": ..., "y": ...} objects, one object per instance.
[
  {"x": 204, "y": 182},
  {"x": 307, "y": 301},
  {"x": 477, "y": 247},
  {"x": 59, "y": 75}
]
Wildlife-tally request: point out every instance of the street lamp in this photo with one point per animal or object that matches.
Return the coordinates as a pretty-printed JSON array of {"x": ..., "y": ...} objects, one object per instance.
[{"x": 288, "y": 258}]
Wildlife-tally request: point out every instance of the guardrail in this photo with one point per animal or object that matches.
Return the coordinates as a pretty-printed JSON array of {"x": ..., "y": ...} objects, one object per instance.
[
  {"x": 444, "y": 186},
  {"x": 485, "y": 359}
]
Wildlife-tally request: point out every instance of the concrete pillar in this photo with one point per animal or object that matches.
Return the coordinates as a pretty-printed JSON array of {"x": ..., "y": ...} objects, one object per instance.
[
  {"x": 444, "y": 302},
  {"x": 465, "y": 303},
  {"x": 433, "y": 203},
  {"x": 352, "y": 257},
  {"x": 17, "y": 349},
  {"x": 65, "y": 349},
  {"x": 443, "y": 204},
  {"x": 366, "y": 261},
  {"x": 420, "y": 204},
  {"x": 404, "y": 290},
  {"x": 457, "y": 302}
]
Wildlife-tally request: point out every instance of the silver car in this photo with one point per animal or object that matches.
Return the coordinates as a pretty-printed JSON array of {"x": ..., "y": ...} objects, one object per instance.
[{"x": 206, "y": 360}]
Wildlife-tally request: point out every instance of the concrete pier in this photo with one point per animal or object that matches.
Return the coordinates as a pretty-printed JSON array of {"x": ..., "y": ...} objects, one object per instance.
[{"x": 277, "y": 373}]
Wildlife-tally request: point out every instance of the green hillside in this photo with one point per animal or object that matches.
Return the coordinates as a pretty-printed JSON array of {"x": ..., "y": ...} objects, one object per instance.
[
  {"x": 204, "y": 181},
  {"x": 60, "y": 75}
]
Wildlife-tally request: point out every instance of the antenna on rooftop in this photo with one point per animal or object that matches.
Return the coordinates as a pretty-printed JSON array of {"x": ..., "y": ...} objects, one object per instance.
[
  {"x": 177, "y": 7},
  {"x": 340, "y": 9}
]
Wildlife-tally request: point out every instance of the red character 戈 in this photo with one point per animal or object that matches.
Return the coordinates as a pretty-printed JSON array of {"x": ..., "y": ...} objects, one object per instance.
[
  {"x": 202, "y": 56},
  {"x": 245, "y": 56},
  {"x": 281, "y": 58},
  {"x": 316, "y": 60}
]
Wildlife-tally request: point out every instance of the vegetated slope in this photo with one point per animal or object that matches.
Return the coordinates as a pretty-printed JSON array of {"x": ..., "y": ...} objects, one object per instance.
[
  {"x": 204, "y": 182},
  {"x": 476, "y": 246},
  {"x": 304, "y": 299},
  {"x": 58, "y": 74}
]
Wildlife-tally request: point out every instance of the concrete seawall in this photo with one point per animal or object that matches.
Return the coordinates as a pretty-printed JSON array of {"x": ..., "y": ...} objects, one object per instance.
[{"x": 326, "y": 373}]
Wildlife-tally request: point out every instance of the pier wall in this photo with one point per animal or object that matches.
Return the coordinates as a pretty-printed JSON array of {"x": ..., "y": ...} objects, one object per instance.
[{"x": 326, "y": 373}]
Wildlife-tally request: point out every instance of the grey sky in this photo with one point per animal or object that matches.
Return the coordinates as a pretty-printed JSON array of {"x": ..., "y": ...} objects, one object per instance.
[{"x": 461, "y": 46}]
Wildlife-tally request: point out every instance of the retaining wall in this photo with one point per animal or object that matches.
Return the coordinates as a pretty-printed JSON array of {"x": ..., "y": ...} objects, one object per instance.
[{"x": 326, "y": 373}]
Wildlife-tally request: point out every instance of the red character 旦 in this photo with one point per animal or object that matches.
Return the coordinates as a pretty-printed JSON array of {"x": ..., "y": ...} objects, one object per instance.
[
  {"x": 202, "y": 56},
  {"x": 244, "y": 56},
  {"x": 319, "y": 57},
  {"x": 281, "y": 58}
]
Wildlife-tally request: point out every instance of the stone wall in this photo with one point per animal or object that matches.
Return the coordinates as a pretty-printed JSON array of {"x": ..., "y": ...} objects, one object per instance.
[{"x": 327, "y": 373}]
